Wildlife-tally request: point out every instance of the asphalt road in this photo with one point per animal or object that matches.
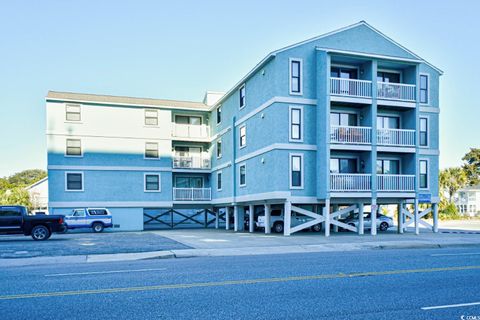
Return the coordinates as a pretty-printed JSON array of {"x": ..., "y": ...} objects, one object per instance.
[{"x": 384, "y": 284}]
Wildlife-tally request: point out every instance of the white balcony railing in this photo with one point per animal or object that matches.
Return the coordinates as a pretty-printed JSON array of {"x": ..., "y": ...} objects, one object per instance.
[
  {"x": 190, "y": 131},
  {"x": 192, "y": 194},
  {"x": 395, "y": 182},
  {"x": 193, "y": 162},
  {"x": 396, "y": 91},
  {"x": 351, "y": 87},
  {"x": 350, "y": 134},
  {"x": 396, "y": 137},
  {"x": 350, "y": 182}
]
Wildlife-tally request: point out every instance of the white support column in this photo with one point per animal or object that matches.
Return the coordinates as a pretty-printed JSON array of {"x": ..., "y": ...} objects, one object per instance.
[
  {"x": 335, "y": 209},
  {"x": 361, "y": 225},
  {"x": 216, "y": 218},
  {"x": 287, "y": 219},
  {"x": 267, "y": 218},
  {"x": 227, "y": 218},
  {"x": 435, "y": 217},
  {"x": 373, "y": 217},
  {"x": 238, "y": 215},
  {"x": 251, "y": 223},
  {"x": 415, "y": 216},
  {"x": 326, "y": 215},
  {"x": 400, "y": 217}
]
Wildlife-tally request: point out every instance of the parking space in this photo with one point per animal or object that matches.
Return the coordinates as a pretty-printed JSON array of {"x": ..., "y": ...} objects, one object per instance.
[{"x": 19, "y": 246}]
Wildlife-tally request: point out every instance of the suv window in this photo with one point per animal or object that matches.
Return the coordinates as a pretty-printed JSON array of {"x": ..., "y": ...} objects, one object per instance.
[
  {"x": 79, "y": 213},
  {"x": 276, "y": 213},
  {"x": 97, "y": 212},
  {"x": 10, "y": 212}
]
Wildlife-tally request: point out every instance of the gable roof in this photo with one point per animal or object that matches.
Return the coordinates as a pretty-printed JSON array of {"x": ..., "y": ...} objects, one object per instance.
[
  {"x": 122, "y": 100},
  {"x": 37, "y": 183},
  {"x": 272, "y": 54}
]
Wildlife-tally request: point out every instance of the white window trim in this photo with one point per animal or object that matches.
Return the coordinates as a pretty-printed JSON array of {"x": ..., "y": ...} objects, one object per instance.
[
  {"x": 428, "y": 89},
  {"x": 219, "y": 172},
  {"x": 428, "y": 132},
  {"x": 428, "y": 173},
  {"x": 244, "y": 98},
  {"x": 73, "y": 105},
  {"x": 239, "y": 136},
  {"x": 145, "y": 151},
  {"x": 290, "y": 76},
  {"x": 221, "y": 115},
  {"x": 145, "y": 118},
  {"x": 216, "y": 149},
  {"x": 66, "y": 184},
  {"x": 290, "y": 139},
  {"x": 70, "y": 155},
  {"x": 145, "y": 181},
  {"x": 244, "y": 164},
  {"x": 302, "y": 171}
]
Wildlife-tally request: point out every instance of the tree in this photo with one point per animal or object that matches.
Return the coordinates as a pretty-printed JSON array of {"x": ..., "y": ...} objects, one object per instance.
[
  {"x": 452, "y": 179},
  {"x": 26, "y": 177},
  {"x": 16, "y": 196},
  {"x": 472, "y": 166}
]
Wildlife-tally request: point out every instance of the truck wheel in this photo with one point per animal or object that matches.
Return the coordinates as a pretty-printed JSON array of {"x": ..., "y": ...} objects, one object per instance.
[
  {"x": 278, "y": 227},
  {"x": 317, "y": 227},
  {"x": 97, "y": 227},
  {"x": 40, "y": 233}
]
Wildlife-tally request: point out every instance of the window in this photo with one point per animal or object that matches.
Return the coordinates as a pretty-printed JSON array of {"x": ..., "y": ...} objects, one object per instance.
[
  {"x": 219, "y": 114},
  {"x": 243, "y": 136},
  {"x": 423, "y": 132},
  {"x": 151, "y": 150},
  {"x": 343, "y": 119},
  {"x": 243, "y": 175},
  {"x": 79, "y": 213},
  {"x": 423, "y": 174},
  {"x": 219, "y": 148},
  {"x": 152, "y": 182},
  {"x": 388, "y": 77},
  {"x": 74, "y": 181},
  {"x": 242, "y": 96},
  {"x": 386, "y": 122},
  {"x": 343, "y": 165},
  {"x": 73, "y": 112},
  {"x": 151, "y": 117},
  {"x": 296, "y": 76},
  {"x": 188, "y": 182},
  {"x": 296, "y": 171},
  {"x": 388, "y": 166},
  {"x": 424, "y": 88},
  {"x": 10, "y": 212},
  {"x": 74, "y": 147},
  {"x": 219, "y": 180},
  {"x": 296, "y": 130},
  {"x": 97, "y": 212},
  {"x": 192, "y": 120},
  {"x": 344, "y": 73}
]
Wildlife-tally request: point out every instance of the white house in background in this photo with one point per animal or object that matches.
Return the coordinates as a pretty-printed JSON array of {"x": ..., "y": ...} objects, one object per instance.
[
  {"x": 39, "y": 194},
  {"x": 467, "y": 200}
]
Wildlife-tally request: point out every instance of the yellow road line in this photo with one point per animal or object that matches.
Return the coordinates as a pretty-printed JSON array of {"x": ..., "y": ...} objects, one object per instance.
[{"x": 233, "y": 282}]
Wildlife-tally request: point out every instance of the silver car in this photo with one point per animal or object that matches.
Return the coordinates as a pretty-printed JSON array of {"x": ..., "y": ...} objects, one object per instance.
[{"x": 383, "y": 222}]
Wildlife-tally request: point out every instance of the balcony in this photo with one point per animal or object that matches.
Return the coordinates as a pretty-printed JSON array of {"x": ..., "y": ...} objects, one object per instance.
[
  {"x": 191, "y": 162},
  {"x": 192, "y": 194},
  {"x": 190, "y": 131},
  {"x": 396, "y": 91},
  {"x": 350, "y": 135},
  {"x": 396, "y": 182},
  {"x": 351, "y": 87},
  {"x": 396, "y": 137},
  {"x": 350, "y": 182}
]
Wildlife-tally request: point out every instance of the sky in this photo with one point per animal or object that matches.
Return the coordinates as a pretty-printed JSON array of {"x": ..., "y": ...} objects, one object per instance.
[{"x": 180, "y": 49}]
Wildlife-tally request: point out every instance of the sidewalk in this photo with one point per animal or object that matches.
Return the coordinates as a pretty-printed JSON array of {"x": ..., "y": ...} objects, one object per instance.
[{"x": 211, "y": 243}]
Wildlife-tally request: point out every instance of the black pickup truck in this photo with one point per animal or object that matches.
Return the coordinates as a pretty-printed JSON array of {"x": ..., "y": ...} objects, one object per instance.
[{"x": 16, "y": 220}]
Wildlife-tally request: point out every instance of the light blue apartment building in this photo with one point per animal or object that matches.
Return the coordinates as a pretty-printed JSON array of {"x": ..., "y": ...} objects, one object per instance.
[{"x": 317, "y": 129}]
